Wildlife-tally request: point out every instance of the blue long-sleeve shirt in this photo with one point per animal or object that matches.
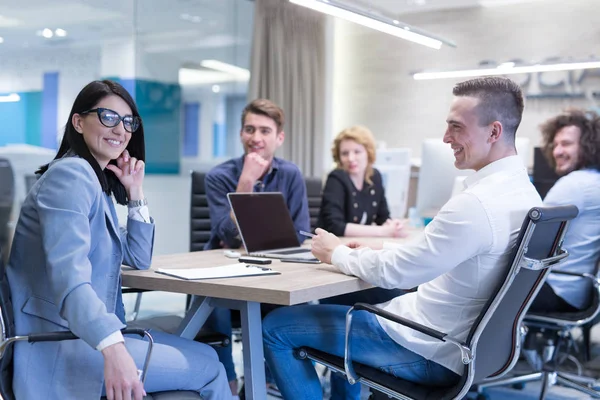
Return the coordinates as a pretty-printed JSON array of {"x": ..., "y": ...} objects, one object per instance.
[
  {"x": 284, "y": 177},
  {"x": 582, "y": 189}
]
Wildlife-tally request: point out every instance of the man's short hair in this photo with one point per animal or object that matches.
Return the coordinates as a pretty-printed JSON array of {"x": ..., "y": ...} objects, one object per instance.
[
  {"x": 500, "y": 99},
  {"x": 588, "y": 123},
  {"x": 268, "y": 109}
]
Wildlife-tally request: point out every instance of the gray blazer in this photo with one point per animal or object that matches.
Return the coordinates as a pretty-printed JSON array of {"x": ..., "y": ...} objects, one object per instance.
[{"x": 64, "y": 273}]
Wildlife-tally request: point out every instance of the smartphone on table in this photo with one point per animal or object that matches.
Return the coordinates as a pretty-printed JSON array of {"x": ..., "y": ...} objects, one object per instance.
[{"x": 255, "y": 260}]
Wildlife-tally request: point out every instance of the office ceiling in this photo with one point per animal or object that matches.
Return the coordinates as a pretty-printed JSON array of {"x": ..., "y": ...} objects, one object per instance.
[
  {"x": 189, "y": 30},
  {"x": 399, "y": 7}
]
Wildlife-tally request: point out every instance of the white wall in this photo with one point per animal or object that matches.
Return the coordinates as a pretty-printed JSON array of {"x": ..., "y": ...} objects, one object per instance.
[{"x": 373, "y": 86}]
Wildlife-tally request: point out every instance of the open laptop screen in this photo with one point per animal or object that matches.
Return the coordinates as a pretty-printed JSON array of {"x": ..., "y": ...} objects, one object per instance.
[{"x": 264, "y": 221}]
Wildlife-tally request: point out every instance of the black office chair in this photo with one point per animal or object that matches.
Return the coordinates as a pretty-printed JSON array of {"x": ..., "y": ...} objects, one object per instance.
[
  {"x": 314, "y": 191},
  {"x": 7, "y": 197},
  {"x": 8, "y": 337},
  {"x": 554, "y": 331},
  {"x": 492, "y": 345},
  {"x": 199, "y": 213}
]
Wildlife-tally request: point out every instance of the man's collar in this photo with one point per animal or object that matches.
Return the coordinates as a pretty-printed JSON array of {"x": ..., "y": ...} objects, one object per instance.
[{"x": 510, "y": 163}]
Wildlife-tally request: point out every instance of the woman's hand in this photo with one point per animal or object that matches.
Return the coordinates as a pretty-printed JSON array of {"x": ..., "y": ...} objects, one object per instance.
[
  {"x": 393, "y": 228},
  {"x": 130, "y": 171},
  {"x": 121, "y": 375}
]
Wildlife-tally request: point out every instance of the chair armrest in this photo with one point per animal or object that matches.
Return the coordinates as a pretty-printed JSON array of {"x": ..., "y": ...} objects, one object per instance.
[
  {"x": 402, "y": 321},
  {"x": 465, "y": 351},
  {"x": 65, "y": 335}
]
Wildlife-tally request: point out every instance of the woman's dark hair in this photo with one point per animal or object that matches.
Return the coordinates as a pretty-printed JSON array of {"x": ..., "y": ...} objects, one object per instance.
[{"x": 73, "y": 141}]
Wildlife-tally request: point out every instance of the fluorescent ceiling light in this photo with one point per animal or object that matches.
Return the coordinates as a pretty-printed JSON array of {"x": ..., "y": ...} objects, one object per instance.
[
  {"x": 47, "y": 33},
  {"x": 10, "y": 98},
  {"x": 507, "y": 69},
  {"x": 239, "y": 73},
  {"x": 60, "y": 32},
  {"x": 1, "y": 39},
  {"x": 379, "y": 23}
]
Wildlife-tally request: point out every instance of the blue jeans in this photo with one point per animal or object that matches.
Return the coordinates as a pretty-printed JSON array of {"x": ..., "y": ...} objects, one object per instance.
[
  {"x": 322, "y": 327},
  {"x": 179, "y": 364},
  {"x": 376, "y": 295},
  {"x": 220, "y": 321}
]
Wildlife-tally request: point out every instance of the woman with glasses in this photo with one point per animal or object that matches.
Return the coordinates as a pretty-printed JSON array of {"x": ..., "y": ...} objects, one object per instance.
[{"x": 64, "y": 267}]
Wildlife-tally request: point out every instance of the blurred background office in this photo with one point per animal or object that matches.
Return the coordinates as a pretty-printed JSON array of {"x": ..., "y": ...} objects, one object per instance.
[{"x": 193, "y": 64}]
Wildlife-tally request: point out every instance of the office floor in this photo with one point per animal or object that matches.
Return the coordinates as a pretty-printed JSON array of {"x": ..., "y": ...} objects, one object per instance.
[{"x": 158, "y": 303}]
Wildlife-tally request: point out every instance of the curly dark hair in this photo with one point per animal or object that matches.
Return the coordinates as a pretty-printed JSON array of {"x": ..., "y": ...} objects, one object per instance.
[{"x": 588, "y": 123}]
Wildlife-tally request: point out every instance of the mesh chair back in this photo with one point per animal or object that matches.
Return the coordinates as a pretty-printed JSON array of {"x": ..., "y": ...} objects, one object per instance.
[
  {"x": 7, "y": 324},
  {"x": 496, "y": 340},
  {"x": 199, "y": 213},
  {"x": 7, "y": 197},
  {"x": 314, "y": 190}
]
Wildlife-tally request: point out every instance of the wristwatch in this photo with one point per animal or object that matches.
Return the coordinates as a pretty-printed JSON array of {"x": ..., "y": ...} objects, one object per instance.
[{"x": 137, "y": 203}]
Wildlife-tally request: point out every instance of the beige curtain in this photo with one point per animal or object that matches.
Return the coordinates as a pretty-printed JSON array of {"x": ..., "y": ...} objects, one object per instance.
[{"x": 288, "y": 68}]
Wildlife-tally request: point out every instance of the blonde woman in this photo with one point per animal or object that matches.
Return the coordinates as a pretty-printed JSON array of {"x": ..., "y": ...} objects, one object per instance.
[{"x": 353, "y": 202}]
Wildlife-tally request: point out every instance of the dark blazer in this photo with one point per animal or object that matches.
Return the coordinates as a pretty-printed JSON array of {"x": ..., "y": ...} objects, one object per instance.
[{"x": 343, "y": 203}]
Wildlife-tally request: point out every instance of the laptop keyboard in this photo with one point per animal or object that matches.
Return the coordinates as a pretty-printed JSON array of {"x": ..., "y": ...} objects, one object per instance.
[{"x": 292, "y": 251}]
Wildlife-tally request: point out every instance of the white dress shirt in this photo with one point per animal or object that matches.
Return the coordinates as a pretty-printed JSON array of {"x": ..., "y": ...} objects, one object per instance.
[
  {"x": 141, "y": 214},
  {"x": 456, "y": 262}
]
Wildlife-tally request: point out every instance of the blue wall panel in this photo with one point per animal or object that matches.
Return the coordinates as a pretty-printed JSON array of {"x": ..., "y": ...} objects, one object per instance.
[
  {"x": 160, "y": 107},
  {"x": 191, "y": 120},
  {"x": 49, "y": 110}
]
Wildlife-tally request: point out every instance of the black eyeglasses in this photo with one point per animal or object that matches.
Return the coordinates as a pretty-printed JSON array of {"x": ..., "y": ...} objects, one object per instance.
[{"x": 110, "y": 119}]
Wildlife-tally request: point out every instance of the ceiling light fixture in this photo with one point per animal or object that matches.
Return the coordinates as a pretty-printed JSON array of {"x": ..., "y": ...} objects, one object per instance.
[
  {"x": 1, "y": 40},
  {"x": 508, "y": 69},
  {"x": 60, "y": 32},
  {"x": 47, "y": 33},
  {"x": 10, "y": 98},
  {"x": 239, "y": 73},
  {"x": 373, "y": 21}
]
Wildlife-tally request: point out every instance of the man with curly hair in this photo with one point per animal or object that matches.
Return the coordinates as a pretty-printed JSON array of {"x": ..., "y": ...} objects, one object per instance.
[{"x": 571, "y": 143}]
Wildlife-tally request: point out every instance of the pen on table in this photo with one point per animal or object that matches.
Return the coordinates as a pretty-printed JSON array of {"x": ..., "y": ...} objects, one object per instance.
[{"x": 307, "y": 234}]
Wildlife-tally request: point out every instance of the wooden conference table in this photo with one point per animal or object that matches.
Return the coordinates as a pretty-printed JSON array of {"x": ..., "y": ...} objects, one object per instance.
[{"x": 297, "y": 283}]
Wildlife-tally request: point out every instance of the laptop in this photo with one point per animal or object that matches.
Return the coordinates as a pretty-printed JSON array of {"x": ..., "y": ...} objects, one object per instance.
[{"x": 265, "y": 225}]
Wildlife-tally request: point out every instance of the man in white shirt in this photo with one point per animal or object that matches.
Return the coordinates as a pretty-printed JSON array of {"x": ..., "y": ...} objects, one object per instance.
[
  {"x": 571, "y": 143},
  {"x": 456, "y": 262}
]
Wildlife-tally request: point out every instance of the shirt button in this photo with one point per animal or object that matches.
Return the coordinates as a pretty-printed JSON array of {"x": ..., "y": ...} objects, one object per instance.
[
  {"x": 353, "y": 193},
  {"x": 372, "y": 192},
  {"x": 355, "y": 219},
  {"x": 374, "y": 216},
  {"x": 355, "y": 205},
  {"x": 374, "y": 204}
]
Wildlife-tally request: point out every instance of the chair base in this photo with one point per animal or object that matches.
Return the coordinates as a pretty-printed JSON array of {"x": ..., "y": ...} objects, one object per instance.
[{"x": 548, "y": 379}]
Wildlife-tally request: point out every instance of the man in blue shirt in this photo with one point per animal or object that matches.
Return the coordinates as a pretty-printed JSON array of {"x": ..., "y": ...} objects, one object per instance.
[
  {"x": 571, "y": 142},
  {"x": 258, "y": 170}
]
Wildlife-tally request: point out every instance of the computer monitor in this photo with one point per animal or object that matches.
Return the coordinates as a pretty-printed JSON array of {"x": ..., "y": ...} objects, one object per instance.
[
  {"x": 436, "y": 176},
  {"x": 394, "y": 166},
  {"x": 544, "y": 176},
  {"x": 439, "y": 179}
]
